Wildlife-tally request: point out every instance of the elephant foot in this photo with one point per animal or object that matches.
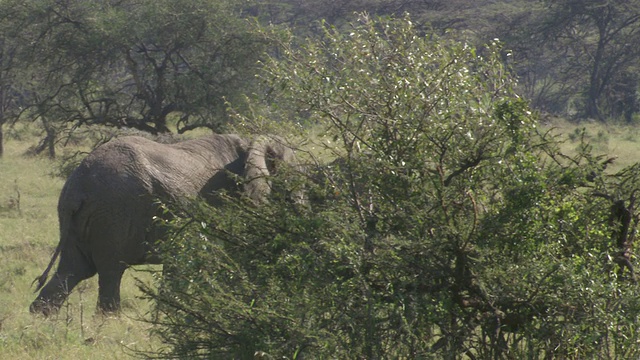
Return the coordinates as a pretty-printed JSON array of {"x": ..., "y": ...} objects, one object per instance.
[
  {"x": 108, "y": 308},
  {"x": 43, "y": 307}
]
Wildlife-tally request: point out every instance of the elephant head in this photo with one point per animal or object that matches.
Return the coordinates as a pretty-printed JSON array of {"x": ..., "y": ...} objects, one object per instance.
[{"x": 107, "y": 205}]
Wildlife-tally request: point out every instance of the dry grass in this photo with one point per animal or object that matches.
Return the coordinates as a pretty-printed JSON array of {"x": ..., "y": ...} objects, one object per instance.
[{"x": 609, "y": 140}]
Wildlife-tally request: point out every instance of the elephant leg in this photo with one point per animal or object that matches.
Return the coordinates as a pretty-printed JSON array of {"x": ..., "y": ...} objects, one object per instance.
[
  {"x": 109, "y": 289},
  {"x": 73, "y": 268}
]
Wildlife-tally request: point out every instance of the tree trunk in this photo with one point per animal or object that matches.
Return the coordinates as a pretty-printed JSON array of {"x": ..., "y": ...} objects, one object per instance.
[
  {"x": 595, "y": 79},
  {"x": 3, "y": 120},
  {"x": 1, "y": 141},
  {"x": 49, "y": 142},
  {"x": 52, "y": 146}
]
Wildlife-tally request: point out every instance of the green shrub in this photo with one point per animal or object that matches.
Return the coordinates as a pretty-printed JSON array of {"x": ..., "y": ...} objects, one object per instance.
[{"x": 451, "y": 227}]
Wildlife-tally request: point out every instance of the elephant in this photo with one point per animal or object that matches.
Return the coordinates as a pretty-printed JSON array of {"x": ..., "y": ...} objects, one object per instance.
[{"x": 107, "y": 205}]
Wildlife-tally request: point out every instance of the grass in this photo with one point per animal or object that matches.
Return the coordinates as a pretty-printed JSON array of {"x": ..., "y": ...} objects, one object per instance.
[
  {"x": 28, "y": 236},
  {"x": 621, "y": 141}
]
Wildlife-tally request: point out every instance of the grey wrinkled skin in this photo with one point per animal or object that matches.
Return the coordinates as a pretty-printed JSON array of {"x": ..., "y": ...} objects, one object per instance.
[{"x": 106, "y": 207}]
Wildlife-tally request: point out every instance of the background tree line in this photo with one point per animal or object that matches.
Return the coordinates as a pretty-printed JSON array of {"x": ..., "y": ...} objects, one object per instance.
[{"x": 116, "y": 63}]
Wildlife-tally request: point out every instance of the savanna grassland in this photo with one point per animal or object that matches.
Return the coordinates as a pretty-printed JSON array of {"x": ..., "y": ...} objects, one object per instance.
[
  {"x": 29, "y": 234},
  {"x": 621, "y": 141}
]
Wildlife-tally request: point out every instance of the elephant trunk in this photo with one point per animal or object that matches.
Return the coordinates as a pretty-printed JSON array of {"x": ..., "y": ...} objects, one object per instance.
[
  {"x": 257, "y": 185},
  {"x": 263, "y": 158}
]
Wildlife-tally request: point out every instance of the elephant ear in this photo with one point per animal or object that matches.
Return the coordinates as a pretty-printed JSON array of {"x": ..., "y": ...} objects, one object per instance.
[{"x": 264, "y": 156}]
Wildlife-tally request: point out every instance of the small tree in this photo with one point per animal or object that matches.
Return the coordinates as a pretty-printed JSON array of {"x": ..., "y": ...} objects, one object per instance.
[{"x": 443, "y": 226}]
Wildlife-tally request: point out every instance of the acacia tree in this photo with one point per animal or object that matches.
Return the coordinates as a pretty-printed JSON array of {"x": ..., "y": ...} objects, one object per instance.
[
  {"x": 442, "y": 224},
  {"x": 597, "y": 39},
  {"x": 133, "y": 64}
]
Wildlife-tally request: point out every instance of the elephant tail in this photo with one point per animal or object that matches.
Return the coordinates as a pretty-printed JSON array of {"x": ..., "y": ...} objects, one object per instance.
[
  {"x": 65, "y": 233},
  {"x": 43, "y": 277}
]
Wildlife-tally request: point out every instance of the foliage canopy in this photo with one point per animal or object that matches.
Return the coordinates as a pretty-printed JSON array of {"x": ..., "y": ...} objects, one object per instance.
[{"x": 134, "y": 64}]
